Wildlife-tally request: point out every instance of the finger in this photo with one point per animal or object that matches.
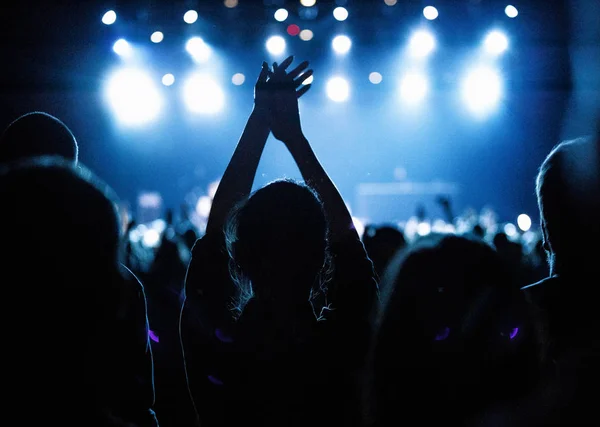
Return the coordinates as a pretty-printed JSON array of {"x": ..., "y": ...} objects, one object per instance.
[
  {"x": 274, "y": 67},
  {"x": 264, "y": 73},
  {"x": 303, "y": 90},
  {"x": 286, "y": 63},
  {"x": 296, "y": 71},
  {"x": 303, "y": 78}
]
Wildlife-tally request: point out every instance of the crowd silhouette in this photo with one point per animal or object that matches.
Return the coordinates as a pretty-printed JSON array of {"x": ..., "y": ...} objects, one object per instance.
[{"x": 279, "y": 313}]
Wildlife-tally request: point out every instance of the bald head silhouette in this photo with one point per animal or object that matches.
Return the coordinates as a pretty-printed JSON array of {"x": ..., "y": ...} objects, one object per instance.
[{"x": 37, "y": 134}]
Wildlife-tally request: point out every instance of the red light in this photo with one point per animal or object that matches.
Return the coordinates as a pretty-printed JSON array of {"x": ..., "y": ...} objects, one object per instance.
[{"x": 293, "y": 30}]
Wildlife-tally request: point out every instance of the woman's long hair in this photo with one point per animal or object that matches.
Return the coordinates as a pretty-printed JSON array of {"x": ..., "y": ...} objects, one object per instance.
[{"x": 280, "y": 227}]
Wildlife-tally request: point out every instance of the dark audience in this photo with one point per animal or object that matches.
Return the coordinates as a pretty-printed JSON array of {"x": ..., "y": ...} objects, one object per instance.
[
  {"x": 76, "y": 337},
  {"x": 278, "y": 313}
]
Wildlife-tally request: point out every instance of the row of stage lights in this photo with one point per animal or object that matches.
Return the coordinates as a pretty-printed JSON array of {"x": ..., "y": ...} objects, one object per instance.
[
  {"x": 136, "y": 99},
  {"x": 340, "y": 13}
]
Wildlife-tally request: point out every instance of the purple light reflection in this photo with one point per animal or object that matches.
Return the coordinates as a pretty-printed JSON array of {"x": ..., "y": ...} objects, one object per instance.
[
  {"x": 514, "y": 333},
  {"x": 221, "y": 336},
  {"x": 443, "y": 334},
  {"x": 215, "y": 380},
  {"x": 152, "y": 335}
]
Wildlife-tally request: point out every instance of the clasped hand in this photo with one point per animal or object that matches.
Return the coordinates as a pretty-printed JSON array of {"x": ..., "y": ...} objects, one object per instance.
[{"x": 276, "y": 95}]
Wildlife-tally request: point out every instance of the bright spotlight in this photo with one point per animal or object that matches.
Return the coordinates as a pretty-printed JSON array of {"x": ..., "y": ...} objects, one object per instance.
[
  {"x": 338, "y": 89},
  {"x": 199, "y": 50},
  {"x": 281, "y": 15},
  {"x": 151, "y": 238},
  {"x": 275, "y": 45},
  {"x": 511, "y": 11},
  {"x": 422, "y": 43},
  {"x": 109, "y": 17},
  {"x": 308, "y": 3},
  {"x": 341, "y": 44},
  {"x": 423, "y": 229},
  {"x": 122, "y": 47},
  {"x": 157, "y": 37},
  {"x": 203, "y": 206},
  {"x": 238, "y": 79},
  {"x": 203, "y": 95},
  {"x": 168, "y": 79},
  {"x": 190, "y": 16},
  {"x": 495, "y": 42},
  {"x": 430, "y": 13},
  {"x": 482, "y": 89},
  {"x": 306, "y": 35},
  {"x": 340, "y": 13},
  {"x": 414, "y": 88},
  {"x": 375, "y": 78},
  {"x": 524, "y": 222},
  {"x": 133, "y": 97},
  {"x": 510, "y": 230}
]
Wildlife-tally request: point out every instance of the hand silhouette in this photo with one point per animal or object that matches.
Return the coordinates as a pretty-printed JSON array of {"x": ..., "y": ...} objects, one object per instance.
[{"x": 283, "y": 87}]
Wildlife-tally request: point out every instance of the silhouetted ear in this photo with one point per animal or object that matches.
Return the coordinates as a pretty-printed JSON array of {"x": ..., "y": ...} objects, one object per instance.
[{"x": 545, "y": 237}]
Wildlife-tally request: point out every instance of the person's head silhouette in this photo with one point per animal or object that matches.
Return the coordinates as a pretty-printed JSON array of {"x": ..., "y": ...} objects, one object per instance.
[
  {"x": 61, "y": 216},
  {"x": 37, "y": 134},
  {"x": 449, "y": 332},
  {"x": 278, "y": 239},
  {"x": 568, "y": 193}
]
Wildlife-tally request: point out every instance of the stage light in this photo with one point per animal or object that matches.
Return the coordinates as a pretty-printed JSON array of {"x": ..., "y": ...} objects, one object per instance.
[
  {"x": 190, "y": 16},
  {"x": 133, "y": 97},
  {"x": 423, "y": 229},
  {"x": 293, "y": 30},
  {"x": 375, "y": 78},
  {"x": 203, "y": 95},
  {"x": 199, "y": 50},
  {"x": 203, "y": 206},
  {"x": 390, "y": 2},
  {"x": 308, "y": 81},
  {"x": 430, "y": 13},
  {"x": 151, "y": 238},
  {"x": 281, "y": 15},
  {"x": 276, "y": 45},
  {"x": 510, "y": 230},
  {"x": 414, "y": 88},
  {"x": 524, "y": 222},
  {"x": 157, "y": 37},
  {"x": 422, "y": 43},
  {"x": 238, "y": 79},
  {"x": 109, "y": 17},
  {"x": 495, "y": 42},
  {"x": 511, "y": 11},
  {"x": 308, "y": 3},
  {"x": 122, "y": 48},
  {"x": 168, "y": 79},
  {"x": 230, "y": 4},
  {"x": 338, "y": 89},
  {"x": 482, "y": 90},
  {"x": 341, "y": 44},
  {"x": 306, "y": 35},
  {"x": 340, "y": 13}
]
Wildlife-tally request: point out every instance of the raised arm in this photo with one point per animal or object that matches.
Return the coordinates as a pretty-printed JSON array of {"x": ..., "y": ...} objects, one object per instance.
[
  {"x": 238, "y": 178},
  {"x": 286, "y": 127}
]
